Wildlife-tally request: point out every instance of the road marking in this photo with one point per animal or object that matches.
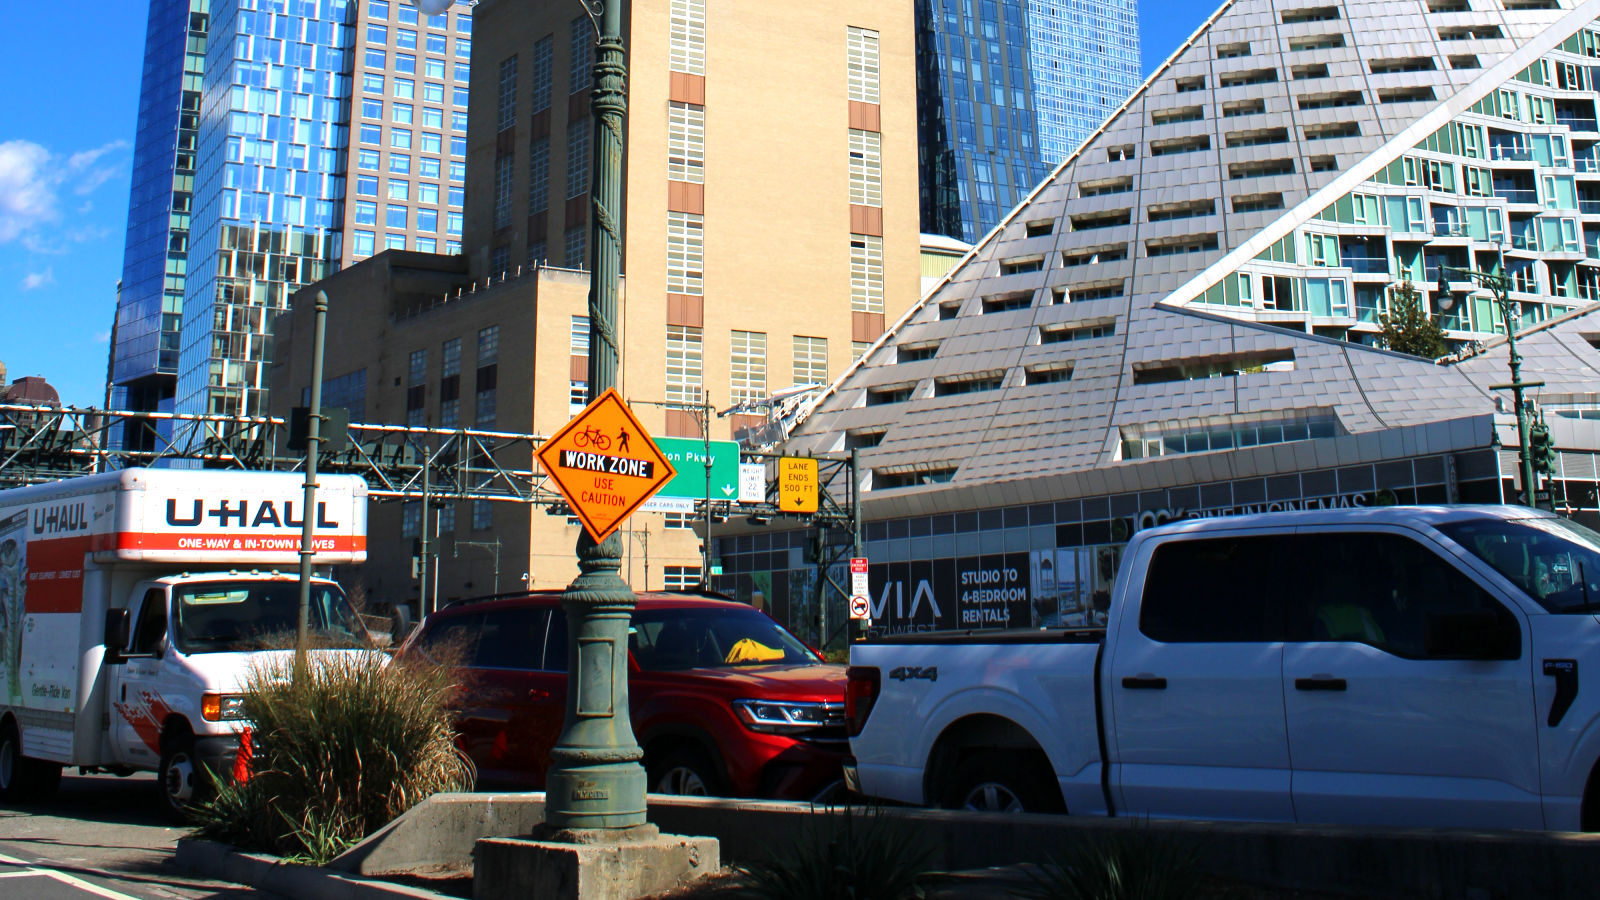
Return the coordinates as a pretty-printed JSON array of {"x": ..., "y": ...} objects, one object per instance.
[{"x": 31, "y": 870}]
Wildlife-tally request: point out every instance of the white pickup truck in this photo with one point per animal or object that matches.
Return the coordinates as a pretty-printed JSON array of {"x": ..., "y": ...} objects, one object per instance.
[{"x": 1394, "y": 666}]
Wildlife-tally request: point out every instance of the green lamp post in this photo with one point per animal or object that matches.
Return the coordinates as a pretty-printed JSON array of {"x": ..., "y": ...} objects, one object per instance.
[{"x": 596, "y": 782}]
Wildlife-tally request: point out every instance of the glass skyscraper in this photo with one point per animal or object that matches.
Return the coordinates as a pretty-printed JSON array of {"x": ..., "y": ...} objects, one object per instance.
[
  {"x": 1005, "y": 90},
  {"x": 272, "y": 151}
]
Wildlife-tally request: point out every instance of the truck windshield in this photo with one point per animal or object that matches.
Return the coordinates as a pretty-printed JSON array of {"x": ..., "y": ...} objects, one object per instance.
[
  {"x": 215, "y": 617},
  {"x": 1555, "y": 561},
  {"x": 671, "y": 639}
]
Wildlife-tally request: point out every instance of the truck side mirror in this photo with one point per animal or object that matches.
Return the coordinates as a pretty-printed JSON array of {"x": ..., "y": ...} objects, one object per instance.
[
  {"x": 116, "y": 635},
  {"x": 1475, "y": 634}
]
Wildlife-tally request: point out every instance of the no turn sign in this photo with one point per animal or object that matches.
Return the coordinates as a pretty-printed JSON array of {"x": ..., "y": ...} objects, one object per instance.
[{"x": 860, "y": 603}]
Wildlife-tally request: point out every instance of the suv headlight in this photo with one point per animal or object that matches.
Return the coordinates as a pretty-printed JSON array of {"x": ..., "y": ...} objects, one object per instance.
[
  {"x": 787, "y": 717},
  {"x": 221, "y": 707}
]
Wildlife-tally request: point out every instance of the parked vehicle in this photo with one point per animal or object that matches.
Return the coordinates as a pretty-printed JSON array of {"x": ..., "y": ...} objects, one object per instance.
[
  {"x": 128, "y": 620},
  {"x": 724, "y": 700},
  {"x": 1395, "y": 666}
]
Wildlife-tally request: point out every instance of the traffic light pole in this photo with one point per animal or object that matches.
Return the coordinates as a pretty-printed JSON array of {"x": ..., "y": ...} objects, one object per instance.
[{"x": 1499, "y": 285}]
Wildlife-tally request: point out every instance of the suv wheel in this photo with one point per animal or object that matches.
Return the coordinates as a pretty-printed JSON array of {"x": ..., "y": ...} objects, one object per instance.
[{"x": 684, "y": 772}]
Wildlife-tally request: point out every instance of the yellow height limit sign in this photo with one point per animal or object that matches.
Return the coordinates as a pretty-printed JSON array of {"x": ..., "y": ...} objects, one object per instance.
[
  {"x": 797, "y": 485},
  {"x": 605, "y": 464}
]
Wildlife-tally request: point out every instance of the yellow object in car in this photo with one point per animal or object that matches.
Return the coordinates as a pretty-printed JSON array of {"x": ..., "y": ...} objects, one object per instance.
[{"x": 750, "y": 650}]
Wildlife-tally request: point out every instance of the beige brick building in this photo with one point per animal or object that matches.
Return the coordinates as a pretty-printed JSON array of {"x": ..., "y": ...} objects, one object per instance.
[{"x": 770, "y": 226}]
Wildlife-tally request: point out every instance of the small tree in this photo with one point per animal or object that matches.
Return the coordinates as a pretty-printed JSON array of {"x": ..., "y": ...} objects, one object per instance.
[{"x": 1407, "y": 327}]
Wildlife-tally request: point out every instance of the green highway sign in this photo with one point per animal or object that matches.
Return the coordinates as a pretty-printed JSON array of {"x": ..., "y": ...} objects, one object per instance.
[{"x": 688, "y": 457}]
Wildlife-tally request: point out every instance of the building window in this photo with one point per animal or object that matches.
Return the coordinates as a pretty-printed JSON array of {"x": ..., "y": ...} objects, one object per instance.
[
  {"x": 411, "y": 520},
  {"x": 539, "y": 176},
  {"x": 583, "y": 41},
  {"x": 859, "y": 349},
  {"x": 402, "y": 113},
  {"x": 540, "y": 97},
  {"x": 866, "y": 167},
  {"x": 861, "y": 51},
  {"x": 507, "y": 111},
  {"x": 450, "y": 384},
  {"x": 502, "y": 192},
  {"x": 395, "y": 215},
  {"x": 580, "y": 335},
  {"x": 686, "y": 142},
  {"x": 685, "y": 253},
  {"x": 577, "y": 396},
  {"x": 577, "y": 158},
  {"x": 405, "y": 88},
  {"x": 810, "y": 360},
  {"x": 576, "y": 250},
  {"x": 679, "y": 578},
  {"x": 365, "y": 242},
  {"x": 447, "y": 518},
  {"x": 487, "y": 379},
  {"x": 482, "y": 515},
  {"x": 366, "y": 213},
  {"x": 683, "y": 521},
  {"x": 866, "y": 273},
  {"x": 685, "y": 369},
  {"x": 747, "y": 362},
  {"x": 686, "y": 24},
  {"x": 417, "y": 389}
]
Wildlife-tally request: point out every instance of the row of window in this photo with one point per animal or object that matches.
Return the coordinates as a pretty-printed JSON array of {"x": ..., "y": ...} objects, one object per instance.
[
  {"x": 406, "y": 89},
  {"x": 747, "y": 362},
  {"x": 406, "y": 14},
  {"x": 406, "y": 64},
  {"x": 400, "y": 164},
  {"x": 406, "y": 114}
]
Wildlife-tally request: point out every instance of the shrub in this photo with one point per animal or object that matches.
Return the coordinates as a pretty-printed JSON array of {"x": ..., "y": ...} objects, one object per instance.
[
  {"x": 843, "y": 853},
  {"x": 337, "y": 754},
  {"x": 1133, "y": 865}
]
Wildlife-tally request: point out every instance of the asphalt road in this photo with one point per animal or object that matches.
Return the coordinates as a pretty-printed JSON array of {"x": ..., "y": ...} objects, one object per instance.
[{"x": 99, "y": 837}]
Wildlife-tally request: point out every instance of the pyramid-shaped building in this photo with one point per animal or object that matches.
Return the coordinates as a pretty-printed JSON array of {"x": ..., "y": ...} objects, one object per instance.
[{"x": 1178, "y": 321}]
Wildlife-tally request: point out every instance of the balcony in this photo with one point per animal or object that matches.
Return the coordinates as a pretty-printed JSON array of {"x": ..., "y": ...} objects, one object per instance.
[
  {"x": 1577, "y": 123},
  {"x": 1589, "y": 207},
  {"x": 1510, "y": 153},
  {"x": 1517, "y": 195},
  {"x": 1586, "y": 164},
  {"x": 1366, "y": 265},
  {"x": 1527, "y": 241}
]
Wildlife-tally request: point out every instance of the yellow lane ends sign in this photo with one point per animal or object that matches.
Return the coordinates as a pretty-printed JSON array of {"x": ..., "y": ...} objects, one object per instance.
[{"x": 797, "y": 485}]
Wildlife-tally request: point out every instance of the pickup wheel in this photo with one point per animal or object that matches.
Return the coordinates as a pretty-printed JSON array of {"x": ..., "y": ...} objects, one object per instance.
[
  {"x": 989, "y": 781},
  {"x": 21, "y": 778},
  {"x": 685, "y": 772}
]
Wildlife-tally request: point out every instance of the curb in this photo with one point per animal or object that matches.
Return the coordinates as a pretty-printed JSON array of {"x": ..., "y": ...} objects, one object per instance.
[{"x": 269, "y": 873}]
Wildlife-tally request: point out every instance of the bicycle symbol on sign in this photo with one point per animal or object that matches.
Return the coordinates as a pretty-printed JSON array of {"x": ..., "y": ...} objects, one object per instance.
[{"x": 592, "y": 436}]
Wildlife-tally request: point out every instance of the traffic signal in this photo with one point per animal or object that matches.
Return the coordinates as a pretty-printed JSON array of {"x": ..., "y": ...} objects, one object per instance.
[
  {"x": 816, "y": 546},
  {"x": 1541, "y": 450}
]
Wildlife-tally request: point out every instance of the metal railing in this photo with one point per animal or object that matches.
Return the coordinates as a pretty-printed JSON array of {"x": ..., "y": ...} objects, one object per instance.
[
  {"x": 1517, "y": 195},
  {"x": 1510, "y": 153},
  {"x": 1577, "y": 123},
  {"x": 1366, "y": 265}
]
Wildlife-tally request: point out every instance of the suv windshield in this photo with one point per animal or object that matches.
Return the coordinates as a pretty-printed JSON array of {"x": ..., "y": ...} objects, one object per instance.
[
  {"x": 255, "y": 615},
  {"x": 1555, "y": 561},
  {"x": 672, "y": 639}
]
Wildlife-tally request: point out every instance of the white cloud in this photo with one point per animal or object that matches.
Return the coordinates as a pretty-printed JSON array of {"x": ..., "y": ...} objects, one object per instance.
[
  {"x": 35, "y": 280},
  {"x": 102, "y": 337},
  {"x": 32, "y": 180}
]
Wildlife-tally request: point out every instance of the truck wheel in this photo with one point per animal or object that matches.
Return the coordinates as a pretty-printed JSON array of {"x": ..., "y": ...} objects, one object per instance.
[
  {"x": 183, "y": 784},
  {"x": 22, "y": 778},
  {"x": 684, "y": 772},
  {"x": 1006, "y": 783}
]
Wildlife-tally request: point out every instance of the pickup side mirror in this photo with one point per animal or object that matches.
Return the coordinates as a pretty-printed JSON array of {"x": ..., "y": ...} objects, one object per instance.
[
  {"x": 116, "y": 635},
  {"x": 1476, "y": 634}
]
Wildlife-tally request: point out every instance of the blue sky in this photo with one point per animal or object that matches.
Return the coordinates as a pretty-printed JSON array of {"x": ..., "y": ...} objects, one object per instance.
[{"x": 66, "y": 148}]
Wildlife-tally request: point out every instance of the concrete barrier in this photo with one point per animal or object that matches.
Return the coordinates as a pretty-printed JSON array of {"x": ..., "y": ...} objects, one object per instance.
[{"x": 1409, "y": 863}]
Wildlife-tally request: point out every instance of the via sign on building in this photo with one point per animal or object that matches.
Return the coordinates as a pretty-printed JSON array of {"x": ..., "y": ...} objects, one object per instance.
[{"x": 605, "y": 465}]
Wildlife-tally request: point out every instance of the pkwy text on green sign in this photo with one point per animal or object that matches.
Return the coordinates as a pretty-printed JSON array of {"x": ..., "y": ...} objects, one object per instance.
[{"x": 688, "y": 456}]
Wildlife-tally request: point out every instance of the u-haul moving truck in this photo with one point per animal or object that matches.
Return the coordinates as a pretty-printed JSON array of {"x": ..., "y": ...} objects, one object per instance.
[{"x": 133, "y": 605}]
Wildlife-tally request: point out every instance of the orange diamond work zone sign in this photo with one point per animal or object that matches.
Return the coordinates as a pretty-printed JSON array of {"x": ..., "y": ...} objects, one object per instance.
[{"x": 605, "y": 464}]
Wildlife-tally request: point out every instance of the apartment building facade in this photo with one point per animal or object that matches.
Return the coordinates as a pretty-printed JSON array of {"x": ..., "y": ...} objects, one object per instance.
[
  {"x": 1006, "y": 89},
  {"x": 266, "y": 132}
]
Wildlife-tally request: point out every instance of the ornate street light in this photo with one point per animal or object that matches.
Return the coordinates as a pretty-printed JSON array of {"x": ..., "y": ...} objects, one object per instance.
[{"x": 596, "y": 782}]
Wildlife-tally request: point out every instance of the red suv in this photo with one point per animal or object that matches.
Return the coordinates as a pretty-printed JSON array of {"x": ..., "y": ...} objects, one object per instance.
[{"x": 725, "y": 701}]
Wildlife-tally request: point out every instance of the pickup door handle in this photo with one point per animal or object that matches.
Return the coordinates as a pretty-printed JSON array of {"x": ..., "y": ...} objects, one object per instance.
[
  {"x": 1320, "y": 683},
  {"x": 1144, "y": 683}
]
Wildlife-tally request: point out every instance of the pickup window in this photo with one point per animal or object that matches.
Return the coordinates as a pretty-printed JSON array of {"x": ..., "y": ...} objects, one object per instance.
[
  {"x": 1554, "y": 561},
  {"x": 1382, "y": 589}
]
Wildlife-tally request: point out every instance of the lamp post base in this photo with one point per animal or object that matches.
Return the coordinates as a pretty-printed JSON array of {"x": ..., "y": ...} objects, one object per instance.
[{"x": 610, "y": 865}]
